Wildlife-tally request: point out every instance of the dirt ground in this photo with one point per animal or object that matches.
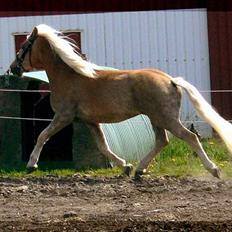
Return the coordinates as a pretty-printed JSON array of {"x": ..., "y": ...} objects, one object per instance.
[{"x": 115, "y": 204}]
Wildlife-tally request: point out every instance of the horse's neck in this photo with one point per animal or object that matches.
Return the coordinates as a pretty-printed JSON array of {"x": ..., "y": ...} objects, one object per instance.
[
  {"x": 46, "y": 56},
  {"x": 52, "y": 64},
  {"x": 59, "y": 73},
  {"x": 57, "y": 70}
]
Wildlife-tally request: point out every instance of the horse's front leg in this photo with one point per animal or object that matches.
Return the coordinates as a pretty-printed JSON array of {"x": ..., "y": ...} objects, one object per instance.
[
  {"x": 102, "y": 145},
  {"x": 58, "y": 123}
]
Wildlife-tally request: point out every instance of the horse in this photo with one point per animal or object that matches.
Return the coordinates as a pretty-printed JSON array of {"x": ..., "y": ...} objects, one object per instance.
[{"x": 83, "y": 90}]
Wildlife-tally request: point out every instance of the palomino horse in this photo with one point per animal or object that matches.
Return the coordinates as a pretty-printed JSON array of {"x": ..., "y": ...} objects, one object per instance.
[{"x": 80, "y": 89}]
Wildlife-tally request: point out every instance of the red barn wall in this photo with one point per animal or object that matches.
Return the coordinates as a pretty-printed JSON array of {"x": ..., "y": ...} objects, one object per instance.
[
  {"x": 220, "y": 53},
  {"x": 38, "y": 7}
]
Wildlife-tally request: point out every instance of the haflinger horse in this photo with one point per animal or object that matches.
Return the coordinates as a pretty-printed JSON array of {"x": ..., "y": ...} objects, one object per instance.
[{"x": 80, "y": 89}]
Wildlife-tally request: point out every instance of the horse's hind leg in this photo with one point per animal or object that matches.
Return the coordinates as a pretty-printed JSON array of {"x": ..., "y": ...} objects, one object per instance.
[
  {"x": 98, "y": 134},
  {"x": 161, "y": 142},
  {"x": 183, "y": 133},
  {"x": 56, "y": 125}
]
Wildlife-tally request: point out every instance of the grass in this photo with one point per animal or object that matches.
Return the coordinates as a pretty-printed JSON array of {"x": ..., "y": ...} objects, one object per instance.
[{"x": 177, "y": 159}]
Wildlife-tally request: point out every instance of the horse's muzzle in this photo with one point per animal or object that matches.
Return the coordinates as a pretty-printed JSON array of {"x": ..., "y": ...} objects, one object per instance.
[{"x": 16, "y": 69}]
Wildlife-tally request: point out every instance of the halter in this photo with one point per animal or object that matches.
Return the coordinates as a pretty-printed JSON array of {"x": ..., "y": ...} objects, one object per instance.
[{"x": 17, "y": 68}]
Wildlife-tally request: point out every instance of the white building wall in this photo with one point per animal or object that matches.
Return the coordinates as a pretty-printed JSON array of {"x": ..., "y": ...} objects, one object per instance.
[{"x": 175, "y": 41}]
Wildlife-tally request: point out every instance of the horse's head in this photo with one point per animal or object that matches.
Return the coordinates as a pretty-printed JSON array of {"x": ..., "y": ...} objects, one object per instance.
[
  {"x": 23, "y": 61},
  {"x": 41, "y": 50}
]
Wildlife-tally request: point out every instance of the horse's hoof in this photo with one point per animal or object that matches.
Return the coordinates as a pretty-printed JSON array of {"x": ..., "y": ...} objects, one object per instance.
[
  {"x": 31, "y": 169},
  {"x": 127, "y": 170},
  {"x": 139, "y": 174},
  {"x": 216, "y": 172}
]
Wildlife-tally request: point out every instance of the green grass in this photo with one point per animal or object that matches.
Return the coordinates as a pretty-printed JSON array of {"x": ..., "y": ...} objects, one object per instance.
[{"x": 177, "y": 159}]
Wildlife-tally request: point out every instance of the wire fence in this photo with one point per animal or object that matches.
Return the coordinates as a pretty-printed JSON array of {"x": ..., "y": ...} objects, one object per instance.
[
  {"x": 25, "y": 91},
  {"x": 140, "y": 137},
  {"x": 49, "y": 91}
]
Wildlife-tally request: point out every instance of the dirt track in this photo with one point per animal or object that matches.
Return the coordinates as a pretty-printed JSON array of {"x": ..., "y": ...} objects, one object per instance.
[{"x": 115, "y": 204}]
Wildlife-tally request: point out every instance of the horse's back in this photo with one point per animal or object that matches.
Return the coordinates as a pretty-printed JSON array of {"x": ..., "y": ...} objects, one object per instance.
[
  {"x": 147, "y": 91},
  {"x": 155, "y": 95}
]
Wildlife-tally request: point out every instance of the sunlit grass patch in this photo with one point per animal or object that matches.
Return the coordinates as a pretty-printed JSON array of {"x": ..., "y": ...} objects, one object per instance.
[{"x": 177, "y": 159}]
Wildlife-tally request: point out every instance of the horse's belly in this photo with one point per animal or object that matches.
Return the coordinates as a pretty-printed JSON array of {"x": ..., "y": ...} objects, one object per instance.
[{"x": 105, "y": 116}]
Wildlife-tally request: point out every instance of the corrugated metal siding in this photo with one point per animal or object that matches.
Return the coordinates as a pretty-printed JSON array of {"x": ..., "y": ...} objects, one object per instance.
[
  {"x": 131, "y": 139},
  {"x": 175, "y": 41},
  {"x": 220, "y": 37}
]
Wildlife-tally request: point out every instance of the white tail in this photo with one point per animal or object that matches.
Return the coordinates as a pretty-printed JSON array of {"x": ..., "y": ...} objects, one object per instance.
[{"x": 205, "y": 110}]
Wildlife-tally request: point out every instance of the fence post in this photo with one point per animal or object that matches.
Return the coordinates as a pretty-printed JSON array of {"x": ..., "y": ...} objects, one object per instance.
[
  {"x": 85, "y": 152},
  {"x": 10, "y": 130}
]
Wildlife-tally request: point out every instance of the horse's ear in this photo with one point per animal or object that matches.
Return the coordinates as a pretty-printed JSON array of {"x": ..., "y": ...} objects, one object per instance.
[{"x": 34, "y": 32}]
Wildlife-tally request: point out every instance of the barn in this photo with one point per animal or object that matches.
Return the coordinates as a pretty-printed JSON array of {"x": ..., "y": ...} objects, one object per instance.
[{"x": 182, "y": 38}]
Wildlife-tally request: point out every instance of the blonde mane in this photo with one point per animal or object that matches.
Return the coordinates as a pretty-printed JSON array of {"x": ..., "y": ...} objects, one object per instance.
[{"x": 66, "y": 50}]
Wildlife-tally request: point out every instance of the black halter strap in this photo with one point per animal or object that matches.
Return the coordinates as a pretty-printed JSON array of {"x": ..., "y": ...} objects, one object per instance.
[
  {"x": 17, "y": 68},
  {"x": 30, "y": 58},
  {"x": 24, "y": 50}
]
